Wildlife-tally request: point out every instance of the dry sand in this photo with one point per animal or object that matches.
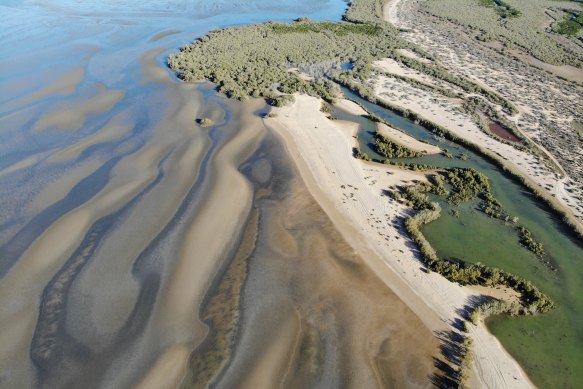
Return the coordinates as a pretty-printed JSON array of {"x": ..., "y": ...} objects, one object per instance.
[
  {"x": 406, "y": 140},
  {"x": 350, "y": 107},
  {"x": 350, "y": 193}
]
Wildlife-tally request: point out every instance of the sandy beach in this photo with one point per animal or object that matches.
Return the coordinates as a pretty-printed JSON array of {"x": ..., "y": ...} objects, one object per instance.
[{"x": 350, "y": 191}]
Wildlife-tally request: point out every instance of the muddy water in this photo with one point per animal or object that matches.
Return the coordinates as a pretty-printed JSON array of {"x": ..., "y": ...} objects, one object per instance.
[
  {"x": 130, "y": 239},
  {"x": 502, "y": 132}
]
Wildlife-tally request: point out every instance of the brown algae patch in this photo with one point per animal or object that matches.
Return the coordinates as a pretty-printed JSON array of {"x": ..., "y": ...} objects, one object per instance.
[
  {"x": 221, "y": 313},
  {"x": 502, "y": 132}
]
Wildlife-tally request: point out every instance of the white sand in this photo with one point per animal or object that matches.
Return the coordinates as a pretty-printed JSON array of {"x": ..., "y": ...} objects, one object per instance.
[
  {"x": 406, "y": 140},
  {"x": 350, "y": 107},
  {"x": 350, "y": 193}
]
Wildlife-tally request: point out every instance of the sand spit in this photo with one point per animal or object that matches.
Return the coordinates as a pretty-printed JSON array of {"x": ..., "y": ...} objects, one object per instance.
[
  {"x": 350, "y": 107},
  {"x": 406, "y": 140},
  {"x": 350, "y": 193}
]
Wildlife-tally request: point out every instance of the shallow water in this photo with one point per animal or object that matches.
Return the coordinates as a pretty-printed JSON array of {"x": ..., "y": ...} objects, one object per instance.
[
  {"x": 131, "y": 238},
  {"x": 549, "y": 347}
]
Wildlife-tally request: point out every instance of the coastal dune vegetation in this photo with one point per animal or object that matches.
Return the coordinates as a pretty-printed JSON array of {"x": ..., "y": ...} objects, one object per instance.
[
  {"x": 518, "y": 24},
  {"x": 462, "y": 185}
]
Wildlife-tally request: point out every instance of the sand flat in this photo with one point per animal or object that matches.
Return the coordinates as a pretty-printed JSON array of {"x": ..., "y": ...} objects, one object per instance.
[{"x": 406, "y": 140}]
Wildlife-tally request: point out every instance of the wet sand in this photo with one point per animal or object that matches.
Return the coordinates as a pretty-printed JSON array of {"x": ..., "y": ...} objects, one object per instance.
[
  {"x": 313, "y": 313},
  {"x": 140, "y": 249}
]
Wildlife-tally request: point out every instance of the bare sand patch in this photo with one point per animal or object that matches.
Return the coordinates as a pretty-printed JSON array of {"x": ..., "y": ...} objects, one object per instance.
[
  {"x": 350, "y": 107},
  {"x": 406, "y": 140}
]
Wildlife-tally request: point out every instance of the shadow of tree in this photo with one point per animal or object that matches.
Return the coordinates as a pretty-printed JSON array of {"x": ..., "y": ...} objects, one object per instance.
[
  {"x": 472, "y": 302},
  {"x": 448, "y": 366}
]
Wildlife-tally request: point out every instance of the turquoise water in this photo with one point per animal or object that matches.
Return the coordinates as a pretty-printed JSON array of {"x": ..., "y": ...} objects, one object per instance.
[{"x": 549, "y": 347}]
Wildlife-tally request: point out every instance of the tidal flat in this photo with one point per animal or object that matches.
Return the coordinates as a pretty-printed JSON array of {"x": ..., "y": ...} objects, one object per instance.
[{"x": 131, "y": 237}]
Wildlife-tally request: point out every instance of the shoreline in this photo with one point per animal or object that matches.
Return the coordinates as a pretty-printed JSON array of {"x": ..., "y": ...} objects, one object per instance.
[{"x": 434, "y": 299}]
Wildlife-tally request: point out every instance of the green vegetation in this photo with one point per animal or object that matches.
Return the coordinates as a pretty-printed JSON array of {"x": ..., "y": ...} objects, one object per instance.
[
  {"x": 368, "y": 11},
  {"x": 356, "y": 153},
  {"x": 541, "y": 342},
  {"x": 389, "y": 149},
  {"x": 520, "y": 29},
  {"x": 470, "y": 183},
  {"x": 467, "y": 357},
  {"x": 257, "y": 60},
  {"x": 466, "y": 184},
  {"x": 503, "y": 9},
  {"x": 367, "y": 94},
  {"x": 304, "y": 25},
  {"x": 205, "y": 122},
  {"x": 280, "y": 100},
  {"x": 527, "y": 240},
  {"x": 572, "y": 24}
]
